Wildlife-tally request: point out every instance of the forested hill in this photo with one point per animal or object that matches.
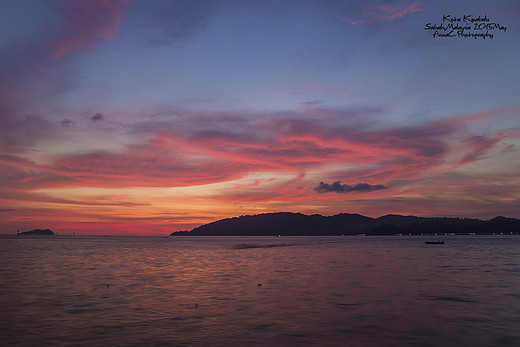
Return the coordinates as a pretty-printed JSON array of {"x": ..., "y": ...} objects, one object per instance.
[{"x": 292, "y": 224}]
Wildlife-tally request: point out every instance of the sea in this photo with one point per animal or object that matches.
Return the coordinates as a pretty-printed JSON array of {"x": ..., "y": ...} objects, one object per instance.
[{"x": 260, "y": 291}]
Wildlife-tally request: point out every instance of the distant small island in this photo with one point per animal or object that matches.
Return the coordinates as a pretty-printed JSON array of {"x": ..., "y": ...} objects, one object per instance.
[
  {"x": 298, "y": 224},
  {"x": 37, "y": 232}
]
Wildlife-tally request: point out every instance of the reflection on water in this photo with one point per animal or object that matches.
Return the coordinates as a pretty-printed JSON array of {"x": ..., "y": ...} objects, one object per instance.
[{"x": 356, "y": 291}]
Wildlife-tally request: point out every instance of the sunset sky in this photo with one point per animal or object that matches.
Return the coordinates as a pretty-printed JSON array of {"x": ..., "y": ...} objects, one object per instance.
[{"x": 147, "y": 117}]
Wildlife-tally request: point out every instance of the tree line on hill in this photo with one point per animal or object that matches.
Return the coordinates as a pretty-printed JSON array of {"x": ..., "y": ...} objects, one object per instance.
[{"x": 297, "y": 224}]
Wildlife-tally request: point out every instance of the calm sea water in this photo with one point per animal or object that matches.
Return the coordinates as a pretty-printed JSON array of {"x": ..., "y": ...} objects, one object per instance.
[{"x": 216, "y": 291}]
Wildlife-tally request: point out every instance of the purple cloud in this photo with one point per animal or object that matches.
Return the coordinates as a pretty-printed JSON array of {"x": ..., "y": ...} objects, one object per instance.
[
  {"x": 337, "y": 187},
  {"x": 97, "y": 117}
]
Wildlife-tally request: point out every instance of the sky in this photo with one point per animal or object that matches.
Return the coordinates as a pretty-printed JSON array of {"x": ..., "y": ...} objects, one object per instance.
[{"x": 147, "y": 117}]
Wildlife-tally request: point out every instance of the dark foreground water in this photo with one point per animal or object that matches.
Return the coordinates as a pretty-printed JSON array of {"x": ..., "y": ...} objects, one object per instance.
[{"x": 211, "y": 291}]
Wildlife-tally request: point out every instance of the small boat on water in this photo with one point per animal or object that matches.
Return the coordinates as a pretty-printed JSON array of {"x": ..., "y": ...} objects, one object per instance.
[{"x": 434, "y": 242}]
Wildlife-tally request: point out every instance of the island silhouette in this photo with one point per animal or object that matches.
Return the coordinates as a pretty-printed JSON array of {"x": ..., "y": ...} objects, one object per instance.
[
  {"x": 298, "y": 224},
  {"x": 37, "y": 232}
]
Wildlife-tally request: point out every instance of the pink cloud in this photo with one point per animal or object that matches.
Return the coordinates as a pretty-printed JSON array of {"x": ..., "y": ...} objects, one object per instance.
[
  {"x": 87, "y": 24},
  {"x": 384, "y": 13},
  {"x": 389, "y": 12},
  {"x": 289, "y": 154},
  {"x": 193, "y": 150}
]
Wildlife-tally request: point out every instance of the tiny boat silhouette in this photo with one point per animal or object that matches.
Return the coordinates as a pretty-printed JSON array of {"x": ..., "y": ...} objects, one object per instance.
[{"x": 434, "y": 242}]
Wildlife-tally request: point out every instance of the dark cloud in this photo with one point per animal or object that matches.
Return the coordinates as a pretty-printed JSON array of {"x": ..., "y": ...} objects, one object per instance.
[
  {"x": 7, "y": 210},
  {"x": 97, "y": 117},
  {"x": 67, "y": 122},
  {"x": 337, "y": 187},
  {"x": 311, "y": 103}
]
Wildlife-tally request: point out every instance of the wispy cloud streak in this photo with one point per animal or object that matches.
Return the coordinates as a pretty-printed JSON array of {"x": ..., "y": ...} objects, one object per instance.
[
  {"x": 382, "y": 13},
  {"x": 191, "y": 150}
]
